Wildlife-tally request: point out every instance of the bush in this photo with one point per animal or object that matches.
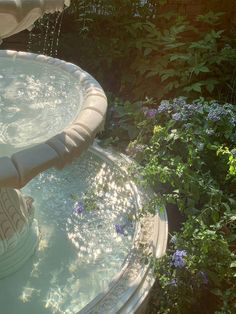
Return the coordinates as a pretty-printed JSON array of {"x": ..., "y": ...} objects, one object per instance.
[
  {"x": 187, "y": 153},
  {"x": 136, "y": 52},
  {"x": 190, "y": 160}
]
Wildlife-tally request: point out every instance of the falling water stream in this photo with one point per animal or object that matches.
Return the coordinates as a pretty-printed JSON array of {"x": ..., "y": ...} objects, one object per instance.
[{"x": 44, "y": 37}]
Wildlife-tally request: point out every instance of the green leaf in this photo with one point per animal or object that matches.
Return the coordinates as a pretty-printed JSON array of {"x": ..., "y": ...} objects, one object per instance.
[
  {"x": 167, "y": 74},
  {"x": 200, "y": 68},
  {"x": 233, "y": 264},
  {"x": 194, "y": 87},
  {"x": 147, "y": 51},
  {"x": 211, "y": 84},
  {"x": 179, "y": 57}
]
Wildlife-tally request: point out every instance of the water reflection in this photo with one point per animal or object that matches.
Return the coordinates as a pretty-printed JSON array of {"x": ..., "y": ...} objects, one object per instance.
[{"x": 78, "y": 253}]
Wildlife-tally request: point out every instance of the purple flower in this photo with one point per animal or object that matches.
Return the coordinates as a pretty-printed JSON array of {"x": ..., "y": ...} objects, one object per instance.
[
  {"x": 164, "y": 106},
  {"x": 119, "y": 229},
  {"x": 177, "y": 116},
  {"x": 151, "y": 113},
  {"x": 204, "y": 277},
  {"x": 179, "y": 101},
  {"x": 79, "y": 208},
  {"x": 216, "y": 113},
  {"x": 189, "y": 107},
  {"x": 213, "y": 116},
  {"x": 178, "y": 258}
]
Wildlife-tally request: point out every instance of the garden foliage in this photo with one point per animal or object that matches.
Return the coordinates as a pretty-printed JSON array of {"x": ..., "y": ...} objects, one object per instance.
[
  {"x": 187, "y": 153},
  {"x": 136, "y": 52}
]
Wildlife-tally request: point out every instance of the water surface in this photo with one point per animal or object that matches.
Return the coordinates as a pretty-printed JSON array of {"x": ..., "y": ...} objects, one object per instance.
[{"x": 37, "y": 101}]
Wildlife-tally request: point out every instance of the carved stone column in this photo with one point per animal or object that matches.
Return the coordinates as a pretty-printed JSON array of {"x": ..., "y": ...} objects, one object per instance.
[{"x": 18, "y": 230}]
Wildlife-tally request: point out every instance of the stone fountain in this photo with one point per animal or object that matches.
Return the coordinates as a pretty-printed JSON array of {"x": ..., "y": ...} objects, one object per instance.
[
  {"x": 18, "y": 229},
  {"x": 24, "y": 155}
]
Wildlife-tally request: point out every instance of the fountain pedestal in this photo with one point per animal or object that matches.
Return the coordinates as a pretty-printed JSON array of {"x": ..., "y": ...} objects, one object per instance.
[
  {"x": 18, "y": 230},
  {"x": 23, "y": 157}
]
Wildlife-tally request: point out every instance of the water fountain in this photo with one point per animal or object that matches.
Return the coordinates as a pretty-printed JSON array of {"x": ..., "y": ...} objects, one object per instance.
[{"x": 50, "y": 113}]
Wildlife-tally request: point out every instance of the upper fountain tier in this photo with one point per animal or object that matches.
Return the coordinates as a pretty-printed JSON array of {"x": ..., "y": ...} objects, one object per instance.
[{"x": 18, "y": 15}]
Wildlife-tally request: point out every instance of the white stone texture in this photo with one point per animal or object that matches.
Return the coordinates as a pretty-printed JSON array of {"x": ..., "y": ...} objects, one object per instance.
[
  {"x": 65, "y": 146},
  {"x": 18, "y": 15}
]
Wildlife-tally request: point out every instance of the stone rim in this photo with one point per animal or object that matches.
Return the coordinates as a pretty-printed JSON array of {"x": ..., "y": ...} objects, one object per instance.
[
  {"x": 130, "y": 287},
  {"x": 62, "y": 148}
]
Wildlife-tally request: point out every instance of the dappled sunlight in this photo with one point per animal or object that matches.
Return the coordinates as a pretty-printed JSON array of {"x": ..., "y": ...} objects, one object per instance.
[
  {"x": 33, "y": 95},
  {"x": 27, "y": 294},
  {"x": 86, "y": 215}
]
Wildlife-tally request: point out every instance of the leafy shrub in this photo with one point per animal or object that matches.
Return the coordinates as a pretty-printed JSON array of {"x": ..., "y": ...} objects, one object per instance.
[
  {"x": 187, "y": 152},
  {"x": 198, "y": 273},
  {"x": 136, "y": 52},
  {"x": 179, "y": 55},
  {"x": 184, "y": 157},
  {"x": 189, "y": 158}
]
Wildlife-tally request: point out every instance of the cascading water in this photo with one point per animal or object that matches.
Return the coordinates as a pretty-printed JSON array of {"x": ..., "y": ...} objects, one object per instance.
[{"x": 44, "y": 37}]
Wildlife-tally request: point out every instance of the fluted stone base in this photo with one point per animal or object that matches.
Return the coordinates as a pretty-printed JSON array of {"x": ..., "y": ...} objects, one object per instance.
[
  {"x": 18, "y": 230},
  {"x": 15, "y": 257}
]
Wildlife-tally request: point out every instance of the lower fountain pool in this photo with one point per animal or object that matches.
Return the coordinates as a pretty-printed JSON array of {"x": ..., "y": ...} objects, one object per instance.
[{"x": 87, "y": 219}]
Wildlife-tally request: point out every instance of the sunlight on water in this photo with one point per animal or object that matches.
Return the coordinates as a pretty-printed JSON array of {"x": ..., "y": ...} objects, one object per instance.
[
  {"x": 36, "y": 102},
  {"x": 86, "y": 215}
]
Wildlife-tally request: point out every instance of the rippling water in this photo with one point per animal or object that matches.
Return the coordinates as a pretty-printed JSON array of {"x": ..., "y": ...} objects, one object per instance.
[
  {"x": 36, "y": 102},
  {"x": 80, "y": 248}
]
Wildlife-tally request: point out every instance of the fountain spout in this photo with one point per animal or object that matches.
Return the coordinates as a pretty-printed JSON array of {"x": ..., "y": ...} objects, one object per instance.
[{"x": 18, "y": 15}]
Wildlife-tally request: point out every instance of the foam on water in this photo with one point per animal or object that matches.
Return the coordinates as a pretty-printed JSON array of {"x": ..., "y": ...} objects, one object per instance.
[
  {"x": 36, "y": 102},
  {"x": 81, "y": 248}
]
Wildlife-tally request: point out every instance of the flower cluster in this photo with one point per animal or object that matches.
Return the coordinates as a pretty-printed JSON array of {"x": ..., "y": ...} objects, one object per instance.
[
  {"x": 119, "y": 229},
  {"x": 164, "y": 106},
  {"x": 178, "y": 258},
  {"x": 216, "y": 112},
  {"x": 150, "y": 113},
  {"x": 177, "y": 116},
  {"x": 79, "y": 208},
  {"x": 180, "y": 102}
]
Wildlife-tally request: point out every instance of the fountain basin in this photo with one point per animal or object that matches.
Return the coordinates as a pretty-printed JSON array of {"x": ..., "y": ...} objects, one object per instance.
[
  {"x": 84, "y": 264},
  {"x": 27, "y": 156}
]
